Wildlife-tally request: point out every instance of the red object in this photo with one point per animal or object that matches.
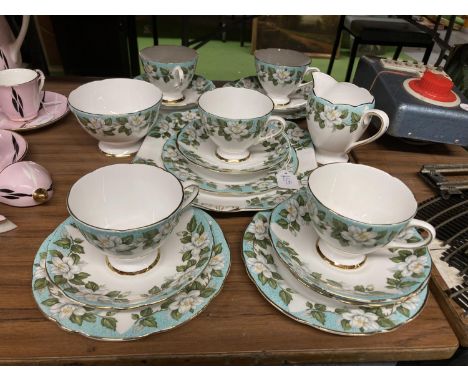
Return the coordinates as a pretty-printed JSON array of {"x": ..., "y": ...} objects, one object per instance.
[{"x": 434, "y": 86}]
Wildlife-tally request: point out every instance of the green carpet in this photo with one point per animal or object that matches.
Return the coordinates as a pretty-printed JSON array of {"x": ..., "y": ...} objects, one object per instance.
[{"x": 227, "y": 61}]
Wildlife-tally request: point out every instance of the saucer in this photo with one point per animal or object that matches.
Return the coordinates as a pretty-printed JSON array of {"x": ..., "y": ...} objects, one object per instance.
[
  {"x": 169, "y": 125},
  {"x": 197, "y": 147},
  {"x": 196, "y": 88},
  {"x": 223, "y": 183},
  {"x": 295, "y": 109},
  {"x": 54, "y": 106},
  {"x": 284, "y": 292},
  {"x": 124, "y": 325},
  {"x": 81, "y": 271},
  {"x": 13, "y": 148},
  {"x": 385, "y": 277}
]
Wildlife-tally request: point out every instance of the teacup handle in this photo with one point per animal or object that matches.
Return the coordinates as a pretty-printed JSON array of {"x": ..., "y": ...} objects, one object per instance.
[
  {"x": 415, "y": 223},
  {"x": 178, "y": 74},
  {"x": 41, "y": 79},
  {"x": 279, "y": 131},
  {"x": 366, "y": 117},
  {"x": 310, "y": 69},
  {"x": 190, "y": 193}
]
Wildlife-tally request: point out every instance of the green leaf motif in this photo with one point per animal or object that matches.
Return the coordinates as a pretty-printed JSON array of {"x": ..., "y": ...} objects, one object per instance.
[
  {"x": 385, "y": 322},
  {"x": 109, "y": 323},
  {"x": 146, "y": 312},
  {"x": 217, "y": 273},
  {"x": 40, "y": 283},
  {"x": 404, "y": 311},
  {"x": 273, "y": 284},
  {"x": 319, "y": 316},
  {"x": 285, "y": 297},
  {"x": 76, "y": 319},
  {"x": 148, "y": 322},
  {"x": 77, "y": 248},
  {"x": 50, "y": 301},
  {"x": 92, "y": 285},
  {"x": 89, "y": 317},
  {"x": 345, "y": 324},
  {"x": 207, "y": 292},
  {"x": 360, "y": 288},
  {"x": 64, "y": 243},
  {"x": 55, "y": 253},
  {"x": 127, "y": 240},
  {"x": 192, "y": 224},
  {"x": 176, "y": 315}
]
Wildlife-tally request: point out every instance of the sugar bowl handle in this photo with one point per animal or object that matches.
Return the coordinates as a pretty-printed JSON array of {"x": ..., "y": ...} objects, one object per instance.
[
  {"x": 415, "y": 223},
  {"x": 190, "y": 193}
]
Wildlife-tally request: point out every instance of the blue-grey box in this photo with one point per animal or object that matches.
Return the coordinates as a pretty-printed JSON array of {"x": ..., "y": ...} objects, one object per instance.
[{"x": 409, "y": 116}]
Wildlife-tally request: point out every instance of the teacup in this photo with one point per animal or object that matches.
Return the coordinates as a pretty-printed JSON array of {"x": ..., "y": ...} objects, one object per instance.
[
  {"x": 281, "y": 72},
  {"x": 127, "y": 211},
  {"x": 338, "y": 114},
  {"x": 170, "y": 68},
  {"x": 118, "y": 112},
  {"x": 236, "y": 119},
  {"x": 358, "y": 209},
  {"x": 21, "y": 93}
]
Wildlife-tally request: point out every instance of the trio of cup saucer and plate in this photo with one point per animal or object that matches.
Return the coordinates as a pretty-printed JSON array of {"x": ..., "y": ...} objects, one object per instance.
[{"x": 121, "y": 270}]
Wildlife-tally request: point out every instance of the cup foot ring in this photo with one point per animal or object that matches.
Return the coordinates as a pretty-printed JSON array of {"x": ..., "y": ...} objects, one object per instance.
[
  {"x": 173, "y": 102},
  {"x": 336, "y": 264},
  {"x": 133, "y": 273},
  {"x": 232, "y": 160}
]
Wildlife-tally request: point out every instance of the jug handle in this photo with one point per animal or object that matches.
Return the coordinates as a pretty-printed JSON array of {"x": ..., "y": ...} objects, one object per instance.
[
  {"x": 310, "y": 69},
  {"x": 16, "y": 46},
  {"x": 367, "y": 116}
]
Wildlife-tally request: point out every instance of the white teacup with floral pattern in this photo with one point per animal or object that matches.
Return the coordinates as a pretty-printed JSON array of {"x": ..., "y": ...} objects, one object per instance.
[
  {"x": 281, "y": 72},
  {"x": 338, "y": 114},
  {"x": 357, "y": 209},
  {"x": 170, "y": 68},
  {"x": 236, "y": 119},
  {"x": 118, "y": 112},
  {"x": 127, "y": 211}
]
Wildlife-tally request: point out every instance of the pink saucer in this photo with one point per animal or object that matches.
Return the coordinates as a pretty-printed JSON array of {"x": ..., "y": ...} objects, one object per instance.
[
  {"x": 53, "y": 107},
  {"x": 13, "y": 148}
]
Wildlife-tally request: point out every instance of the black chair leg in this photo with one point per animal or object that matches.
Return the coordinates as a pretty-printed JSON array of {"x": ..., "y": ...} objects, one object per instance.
[
  {"x": 397, "y": 52},
  {"x": 185, "y": 36},
  {"x": 427, "y": 54},
  {"x": 154, "y": 24},
  {"x": 242, "y": 30},
  {"x": 352, "y": 57},
  {"x": 336, "y": 44}
]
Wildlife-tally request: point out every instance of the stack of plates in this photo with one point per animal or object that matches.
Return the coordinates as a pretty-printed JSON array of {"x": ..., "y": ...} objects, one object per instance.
[
  {"x": 178, "y": 143},
  {"x": 74, "y": 286},
  {"x": 281, "y": 257},
  {"x": 295, "y": 109}
]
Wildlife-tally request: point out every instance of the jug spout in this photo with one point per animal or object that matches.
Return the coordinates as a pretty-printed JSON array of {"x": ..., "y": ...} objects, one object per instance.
[{"x": 339, "y": 93}]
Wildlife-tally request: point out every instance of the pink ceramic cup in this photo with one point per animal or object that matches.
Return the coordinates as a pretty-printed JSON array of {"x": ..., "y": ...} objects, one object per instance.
[{"x": 20, "y": 93}]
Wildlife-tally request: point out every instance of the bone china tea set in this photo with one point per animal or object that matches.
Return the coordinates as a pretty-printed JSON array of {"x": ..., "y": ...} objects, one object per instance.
[{"x": 335, "y": 247}]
